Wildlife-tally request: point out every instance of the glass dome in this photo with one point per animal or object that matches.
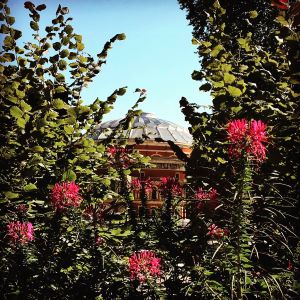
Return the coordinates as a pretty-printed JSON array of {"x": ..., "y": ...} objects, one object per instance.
[{"x": 147, "y": 124}]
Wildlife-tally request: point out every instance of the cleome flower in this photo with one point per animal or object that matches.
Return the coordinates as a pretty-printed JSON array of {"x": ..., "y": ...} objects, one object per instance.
[
  {"x": 119, "y": 157},
  {"x": 137, "y": 184},
  {"x": 20, "y": 232},
  {"x": 64, "y": 195},
  {"x": 247, "y": 137},
  {"x": 209, "y": 199},
  {"x": 170, "y": 184},
  {"x": 216, "y": 232},
  {"x": 144, "y": 265}
]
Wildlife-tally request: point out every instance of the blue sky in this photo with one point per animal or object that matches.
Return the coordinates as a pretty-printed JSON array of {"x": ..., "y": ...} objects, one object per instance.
[{"x": 157, "y": 55}]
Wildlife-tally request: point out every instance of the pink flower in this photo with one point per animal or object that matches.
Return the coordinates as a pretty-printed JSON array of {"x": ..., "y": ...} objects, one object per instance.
[
  {"x": 170, "y": 184},
  {"x": 116, "y": 150},
  {"x": 144, "y": 264},
  {"x": 64, "y": 195},
  {"x": 237, "y": 130},
  {"x": 258, "y": 136},
  {"x": 249, "y": 138},
  {"x": 20, "y": 232},
  {"x": 119, "y": 157},
  {"x": 209, "y": 199},
  {"x": 136, "y": 184},
  {"x": 216, "y": 232}
]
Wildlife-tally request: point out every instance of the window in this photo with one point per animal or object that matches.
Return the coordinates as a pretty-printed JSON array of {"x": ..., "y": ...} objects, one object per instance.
[
  {"x": 177, "y": 176},
  {"x": 142, "y": 174},
  {"x": 154, "y": 195}
]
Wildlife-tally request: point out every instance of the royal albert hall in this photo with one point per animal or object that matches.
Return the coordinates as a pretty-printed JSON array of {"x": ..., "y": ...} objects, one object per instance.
[{"x": 166, "y": 164}]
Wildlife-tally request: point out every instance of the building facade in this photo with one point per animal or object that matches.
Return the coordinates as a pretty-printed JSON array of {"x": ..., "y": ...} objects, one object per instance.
[{"x": 166, "y": 164}]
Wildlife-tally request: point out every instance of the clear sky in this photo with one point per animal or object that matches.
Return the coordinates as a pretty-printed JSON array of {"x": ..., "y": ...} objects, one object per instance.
[{"x": 157, "y": 55}]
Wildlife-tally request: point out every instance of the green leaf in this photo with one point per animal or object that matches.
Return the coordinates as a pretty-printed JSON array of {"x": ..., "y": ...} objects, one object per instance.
[
  {"x": 244, "y": 44},
  {"x": 69, "y": 176},
  {"x": 195, "y": 41},
  {"x": 221, "y": 160},
  {"x": 216, "y": 50},
  {"x": 10, "y": 20},
  {"x": 68, "y": 29},
  {"x": 196, "y": 75},
  {"x": 68, "y": 129},
  {"x": 8, "y": 42},
  {"x": 60, "y": 89},
  {"x": 234, "y": 92},
  {"x": 282, "y": 21},
  {"x": 229, "y": 78},
  {"x": 4, "y": 29},
  {"x": 41, "y": 7},
  {"x": 72, "y": 55},
  {"x": 11, "y": 195},
  {"x": 236, "y": 109},
  {"x": 38, "y": 148},
  {"x": 80, "y": 46},
  {"x": 70, "y": 228},
  {"x": 8, "y": 57},
  {"x": 56, "y": 46},
  {"x": 21, "y": 122},
  {"x": 59, "y": 104},
  {"x": 218, "y": 84},
  {"x": 205, "y": 87},
  {"x": 16, "y": 112},
  {"x": 253, "y": 14},
  {"x": 64, "y": 53},
  {"x": 60, "y": 77},
  {"x": 30, "y": 187},
  {"x": 34, "y": 25},
  {"x": 121, "y": 36},
  {"x": 121, "y": 91},
  {"x": 62, "y": 64},
  {"x": 78, "y": 38}
]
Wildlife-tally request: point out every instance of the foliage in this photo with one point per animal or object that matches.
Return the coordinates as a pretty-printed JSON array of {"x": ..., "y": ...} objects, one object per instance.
[
  {"x": 68, "y": 224},
  {"x": 249, "y": 77},
  {"x": 47, "y": 145}
]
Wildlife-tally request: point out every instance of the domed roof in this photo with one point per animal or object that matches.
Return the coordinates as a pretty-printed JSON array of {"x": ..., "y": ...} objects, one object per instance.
[{"x": 147, "y": 124}]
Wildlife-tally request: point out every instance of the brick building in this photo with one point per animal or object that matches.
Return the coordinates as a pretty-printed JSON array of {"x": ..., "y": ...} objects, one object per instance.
[{"x": 162, "y": 156}]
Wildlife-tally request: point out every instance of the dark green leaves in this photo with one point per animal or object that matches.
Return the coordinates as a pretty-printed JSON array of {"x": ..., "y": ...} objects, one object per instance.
[
  {"x": 34, "y": 25},
  {"x": 205, "y": 87},
  {"x": 10, "y": 20},
  {"x": 4, "y": 29},
  {"x": 62, "y": 64},
  {"x": 68, "y": 29},
  {"x": 121, "y": 36},
  {"x": 56, "y": 46},
  {"x": 69, "y": 176},
  {"x": 41, "y": 7}
]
